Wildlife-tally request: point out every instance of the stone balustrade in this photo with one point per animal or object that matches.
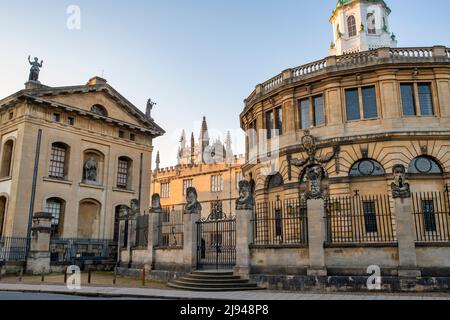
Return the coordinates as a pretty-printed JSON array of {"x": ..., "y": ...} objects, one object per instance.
[{"x": 349, "y": 61}]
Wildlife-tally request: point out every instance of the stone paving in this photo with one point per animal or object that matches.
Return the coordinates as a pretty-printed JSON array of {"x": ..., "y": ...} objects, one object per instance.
[{"x": 239, "y": 295}]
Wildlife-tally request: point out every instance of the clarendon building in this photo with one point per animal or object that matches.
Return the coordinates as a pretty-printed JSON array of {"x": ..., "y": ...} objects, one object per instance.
[
  {"x": 79, "y": 153},
  {"x": 209, "y": 166}
]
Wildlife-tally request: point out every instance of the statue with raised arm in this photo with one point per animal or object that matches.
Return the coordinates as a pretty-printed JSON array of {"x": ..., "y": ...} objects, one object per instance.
[
  {"x": 150, "y": 105},
  {"x": 35, "y": 68}
]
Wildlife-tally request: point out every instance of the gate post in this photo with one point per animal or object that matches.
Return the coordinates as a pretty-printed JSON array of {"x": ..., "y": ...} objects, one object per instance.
[
  {"x": 153, "y": 223},
  {"x": 38, "y": 261},
  {"x": 244, "y": 229},
  {"x": 317, "y": 234},
  {"x": 403, "y": 209},
  {"x": 192, "y": 214}
]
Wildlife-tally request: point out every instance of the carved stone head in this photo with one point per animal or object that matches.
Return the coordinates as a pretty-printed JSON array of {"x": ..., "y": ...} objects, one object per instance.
[
  {"x": 135, "y": 207},
  {"x": 156, "y": 202},
  {"x": 245, "y": 200},
  {"x": 400, "y": 188},
  {"x": 192, "y": 204},
  {"x": 123, "y": 212}
]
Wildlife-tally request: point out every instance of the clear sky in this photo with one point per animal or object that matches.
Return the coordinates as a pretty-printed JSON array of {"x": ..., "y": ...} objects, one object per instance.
[{"x": 195, "y": 58}]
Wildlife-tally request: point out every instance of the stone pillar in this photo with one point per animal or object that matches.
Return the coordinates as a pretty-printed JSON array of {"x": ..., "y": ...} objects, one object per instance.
[
  {"x": 403, "y": 208},
  {"x": 190, "y": 241},
  {"x": 317, "y": 233},
  {"x": 124, "y": 254},
  {"x": 38, "y": 260},
  {"x": 244, "y": 237},
  {"x": 153, "y": 224}
]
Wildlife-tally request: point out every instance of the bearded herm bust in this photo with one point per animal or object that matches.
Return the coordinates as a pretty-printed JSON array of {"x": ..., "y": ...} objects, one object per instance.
[
  {"x": 192, "y": 204},
  {"x": 245, "y": 200}
]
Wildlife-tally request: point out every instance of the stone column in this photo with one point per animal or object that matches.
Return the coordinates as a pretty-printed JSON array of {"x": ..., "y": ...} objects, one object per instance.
[
  {"x": 38, "y": 260},
  {"x": 317, "y": 234},
  {"x": 403, "y": 208},
  {"x": 153, "y": 224},
  {"x": 244, "y": 237},
  {"x": 190, "y": 241}
]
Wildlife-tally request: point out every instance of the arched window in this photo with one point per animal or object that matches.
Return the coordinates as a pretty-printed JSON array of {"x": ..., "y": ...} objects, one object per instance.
[
  {"x": 424, "y": 165},
  {"x": 88, "y": 219},
  {"x": 100, "y": 110},
  {"x": 371, "y": 27},
  {"x": 274, "y": 181},
  {"x": 351, "y": 24},
  {"x": 59, "y": 161},
  {"x": 56, "y": 207},
  {"x": 7, "y": 155},
  {"x": 366, "y": 168},
  {"x": 3, "y": 204},
  {"x": 124, "y": 173}
]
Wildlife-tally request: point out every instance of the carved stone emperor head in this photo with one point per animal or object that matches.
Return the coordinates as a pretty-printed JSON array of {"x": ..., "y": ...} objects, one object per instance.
[
  {"x": 400, "y": 188},
  {"x": 245, "y": 200},
  {"x": 156, "y": 202},
  {"x": 314, "y": 175},
  {"x": 192, "y": 204}
]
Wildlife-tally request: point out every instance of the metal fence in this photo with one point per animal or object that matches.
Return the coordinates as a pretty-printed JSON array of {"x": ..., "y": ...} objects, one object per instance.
[
  {"x": 280, "y": 223},
  {"x": 142, "y": 231},
  {"x": 69, "y": 251},
  {"x": 170, "y": 228},
  {"x": 13, "y": 249},
  {"x": 431, "y": 216},
  {"x": 360, "y": 220}
]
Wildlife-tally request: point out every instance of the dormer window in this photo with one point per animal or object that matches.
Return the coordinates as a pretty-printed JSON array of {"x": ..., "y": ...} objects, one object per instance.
[
  {"x": 351, "y": 24},
  {"x": 100, "y": 110}
]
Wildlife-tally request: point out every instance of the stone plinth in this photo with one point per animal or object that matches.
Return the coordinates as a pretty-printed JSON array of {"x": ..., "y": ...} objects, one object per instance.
[
  {"x": 38, "y": 261},
  {"x": 244, "y": 236},
  {"x": 316, "y": 231},
  {"x": 190, "y": 245}
]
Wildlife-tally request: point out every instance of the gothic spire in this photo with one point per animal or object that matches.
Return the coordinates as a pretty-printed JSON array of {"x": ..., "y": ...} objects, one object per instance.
[{"x": 158, "y": 160}]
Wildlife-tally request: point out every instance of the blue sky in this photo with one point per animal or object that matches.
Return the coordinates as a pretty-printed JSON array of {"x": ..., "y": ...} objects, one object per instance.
[{"x": 194, "y": 58}]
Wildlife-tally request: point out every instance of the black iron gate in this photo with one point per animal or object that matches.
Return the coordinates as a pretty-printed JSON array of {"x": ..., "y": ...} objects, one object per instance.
[{"x": 216, "y": 242}]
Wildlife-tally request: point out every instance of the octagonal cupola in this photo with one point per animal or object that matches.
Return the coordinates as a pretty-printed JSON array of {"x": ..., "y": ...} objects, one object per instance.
[{"x": 360, "y": 25}]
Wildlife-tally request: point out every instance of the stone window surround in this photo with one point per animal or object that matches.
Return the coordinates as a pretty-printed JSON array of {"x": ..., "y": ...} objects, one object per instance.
[
  {"x": 361, "y": 104},
  {"x": 418, "y": 110},
  {"x": 310, "y": 98}
]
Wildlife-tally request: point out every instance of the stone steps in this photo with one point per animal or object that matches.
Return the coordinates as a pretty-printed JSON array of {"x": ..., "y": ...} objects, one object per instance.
[{"x": 212, "y": 281}]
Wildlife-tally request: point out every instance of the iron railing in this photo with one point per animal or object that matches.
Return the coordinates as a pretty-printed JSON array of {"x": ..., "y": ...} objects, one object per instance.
[
  {"x": 69, "y": 251},
  {"x": 170, "y": 228},
  {"x": 13, "y": 249},
  {"x": 280, "y": 223},
  {"x": 142, "y": 231},
  {"x": 431, "y": 216},
  {"x": 360, "y": 220}
]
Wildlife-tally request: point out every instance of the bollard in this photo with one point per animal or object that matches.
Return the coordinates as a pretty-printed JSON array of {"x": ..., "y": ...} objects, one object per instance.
[
  {"x": 89, "y": 275},
  {"x": 143, "y": 277},
  {"x": 42, "y": 277},
  {"x": 65, "y": 275},
  {"x": 20, "y": 275}
]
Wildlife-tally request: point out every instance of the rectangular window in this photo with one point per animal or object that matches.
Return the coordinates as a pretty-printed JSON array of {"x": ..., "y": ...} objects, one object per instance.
[
  {"x": 352, "y": 104},
  {"x": 70, "y": 121},
  {"x": 54, "y": 208},
  {"x": 11, "y": 115},
  {"x": 132, "y": 137},
  {"x": 305, "y": 119},
  {"x": 121, "y": 134},
  {"x": 56, "y": 117},
  {"x": 269, "y": 124},
  {"x": 165, "y": 190},
  {"x": 407, "y": 92},
  {"x": 370, "y": 216},
  {"x": 187, "y": 184},
  {"x": 278, "y": 223},
  {"x": 57, "y": 162},
  {"x": 319, "y": 116},
  {"x": 429, "y": 216},
  {"x": 238, "y": 179},
  {"x": 122, "y": 174},
  {"x": 216, "y": 183},
  {"x": 279, "y": 120},
  {"x": 252, "y": 140},
  {"x": 425, "y": 99},
  {"x": 369, "y": 103}
]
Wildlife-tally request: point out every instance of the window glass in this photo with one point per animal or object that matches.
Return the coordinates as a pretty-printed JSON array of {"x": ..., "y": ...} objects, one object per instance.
[
  {"x": 305, "y": 121},
  {"x": 351, "y": 21},
  {"x": 425, "y": 99},
  {"x": 269, "y": 124},
  {"x": 319, "y": 116},
  {"x": 279, "y": 120},
  {"x": 369, "y": 103},
  {"x": 424, "y": 165},
  {"x": 352, "y": 103},
  {"x": 370, "y": 216},
  {"x": 408, "y": 99}
]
